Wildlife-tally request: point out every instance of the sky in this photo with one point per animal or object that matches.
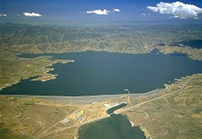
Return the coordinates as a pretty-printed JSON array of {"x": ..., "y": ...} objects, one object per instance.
[{"x": 100, "y": 10}]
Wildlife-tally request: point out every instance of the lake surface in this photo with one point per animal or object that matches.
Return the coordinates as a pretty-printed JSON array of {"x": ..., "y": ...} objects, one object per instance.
[
  {"x": 191, "y": 43},
  {"x": 99, "y": 73},
  {"x": 111, "y": 110},
  {"x": 114, "y": 127}
]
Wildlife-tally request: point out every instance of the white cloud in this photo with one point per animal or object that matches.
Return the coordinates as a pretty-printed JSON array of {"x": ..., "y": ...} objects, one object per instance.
[
  {"x": 32, "y": 14},
  {"x": 177, "y": 9},
  {"x": 146, "y": 14},
  {"x": 99, "y": 12},
  {"x": 4, "y": 15},
  {"x": 117, "y": 10}
]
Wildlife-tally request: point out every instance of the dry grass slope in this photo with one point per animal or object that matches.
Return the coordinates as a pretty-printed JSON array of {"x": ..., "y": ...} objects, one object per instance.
[
  {"x": 175, "y": 116},
  {"x": 14, "y": 68}
]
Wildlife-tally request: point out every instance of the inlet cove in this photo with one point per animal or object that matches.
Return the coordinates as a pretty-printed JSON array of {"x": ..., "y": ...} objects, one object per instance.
[
  {"x": 114, "y": 127},
  {"x": 103, "y": 73}
]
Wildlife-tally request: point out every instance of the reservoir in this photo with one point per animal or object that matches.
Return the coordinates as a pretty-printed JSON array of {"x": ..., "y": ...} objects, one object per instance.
[
  {"x": 101, "y": 73},
  {"x": 191, "y": 43},
  {"x": 111, "y": 110},
  {"x": 114, "y": 127}
]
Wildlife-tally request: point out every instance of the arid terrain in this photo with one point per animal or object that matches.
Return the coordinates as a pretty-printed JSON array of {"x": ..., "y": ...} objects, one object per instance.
[
  {"x": 173, "y": 112},
  {"x": 164, "y": 114}
]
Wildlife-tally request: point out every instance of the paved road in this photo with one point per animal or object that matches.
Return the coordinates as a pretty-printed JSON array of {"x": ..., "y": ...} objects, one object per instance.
[
  {"x": 137, "y": 105},
  {"x": 120, "y": 110},
  {"x": 43, "y": 135}
]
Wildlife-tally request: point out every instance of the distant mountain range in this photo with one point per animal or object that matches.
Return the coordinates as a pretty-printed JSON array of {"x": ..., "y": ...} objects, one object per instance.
[{"x": 134, "y": 38}]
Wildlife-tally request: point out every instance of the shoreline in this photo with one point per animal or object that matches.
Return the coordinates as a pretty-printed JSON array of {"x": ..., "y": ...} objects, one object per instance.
[
  {"x": 43, "y": 77},
  {"x": 87, "y": 96},
  {"x": 84, "y": 99}
]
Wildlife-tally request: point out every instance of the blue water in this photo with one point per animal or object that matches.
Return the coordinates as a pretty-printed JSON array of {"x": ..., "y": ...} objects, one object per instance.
[
  {"x": 96, "y": 73},
  {"x": 114, "y": 127},
  {"x": 191, "y": 43}
]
